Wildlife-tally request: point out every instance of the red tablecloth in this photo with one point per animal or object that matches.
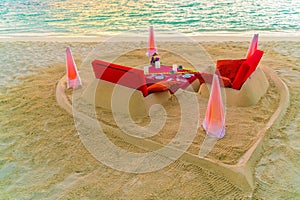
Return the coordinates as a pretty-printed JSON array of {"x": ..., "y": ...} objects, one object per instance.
[{"x": 164, "y": 74}]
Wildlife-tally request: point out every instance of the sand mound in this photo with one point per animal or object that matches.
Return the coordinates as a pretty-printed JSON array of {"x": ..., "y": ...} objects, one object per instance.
[{"x": 237, "y": 152}]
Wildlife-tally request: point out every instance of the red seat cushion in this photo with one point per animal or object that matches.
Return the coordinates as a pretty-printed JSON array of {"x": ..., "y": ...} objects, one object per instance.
[
  {"x": 229, "y": 68},
  {"x": 224, "y": 81},
  {"x": 207, "y": 78},
  {"x": 163, "y": 86},
  {"x": 122, "y": 75}
]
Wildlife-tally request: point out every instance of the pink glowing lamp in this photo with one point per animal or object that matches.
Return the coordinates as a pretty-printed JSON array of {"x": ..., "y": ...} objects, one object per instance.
[
  {"x": 72, "y": 73},
  {"x": 151, "y": 43},
  {"x": 253, "y": 46},
  {"x": 214, "y": 122}
]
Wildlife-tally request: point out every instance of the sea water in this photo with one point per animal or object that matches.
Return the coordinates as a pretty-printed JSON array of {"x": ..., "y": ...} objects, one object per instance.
[{"x": 102, "y": 17}]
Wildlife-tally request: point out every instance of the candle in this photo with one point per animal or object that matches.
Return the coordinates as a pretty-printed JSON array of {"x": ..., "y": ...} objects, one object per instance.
[{"x": 174, "y": 67}]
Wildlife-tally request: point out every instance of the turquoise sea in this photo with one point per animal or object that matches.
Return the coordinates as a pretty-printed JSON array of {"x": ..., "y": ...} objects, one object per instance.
[{"x": 93, "y": 18}]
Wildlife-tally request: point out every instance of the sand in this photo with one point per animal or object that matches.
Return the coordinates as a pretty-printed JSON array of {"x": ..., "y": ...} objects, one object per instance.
[{"x": 43, "y": 157}]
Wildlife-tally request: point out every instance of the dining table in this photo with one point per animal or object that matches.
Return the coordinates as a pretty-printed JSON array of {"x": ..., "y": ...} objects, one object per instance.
[{"x": 182, "y": 77}]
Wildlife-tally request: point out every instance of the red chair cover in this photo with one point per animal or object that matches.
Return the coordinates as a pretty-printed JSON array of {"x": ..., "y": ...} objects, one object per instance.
[
  {"x": 229, "y": 68},
  {"x": 122, "y": 75}
]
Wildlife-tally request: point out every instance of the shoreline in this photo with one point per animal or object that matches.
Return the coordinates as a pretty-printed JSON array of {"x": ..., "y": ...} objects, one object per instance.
[{"x": 200, "y": 37}]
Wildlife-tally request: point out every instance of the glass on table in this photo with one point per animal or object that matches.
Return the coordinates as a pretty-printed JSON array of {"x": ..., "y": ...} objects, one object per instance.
[
  {"x": 157, "y": 64},
  {"x": 146, "y": 69}
]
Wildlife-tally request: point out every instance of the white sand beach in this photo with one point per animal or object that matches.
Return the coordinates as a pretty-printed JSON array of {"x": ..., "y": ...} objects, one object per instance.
[{"x": 42, "y": 155}]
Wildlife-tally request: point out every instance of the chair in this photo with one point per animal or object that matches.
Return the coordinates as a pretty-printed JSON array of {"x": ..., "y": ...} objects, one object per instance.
[
  {"x": 123, "y": 89},
  {"x": 238, "y": 71},
  {"x": 246, "y": 82},
  {"x": 249, "y": 94}
]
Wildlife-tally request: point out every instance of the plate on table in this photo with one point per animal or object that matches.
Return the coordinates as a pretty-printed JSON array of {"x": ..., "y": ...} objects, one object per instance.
[
  {"x": 159, "y": 77},
  {"x": 187, "y": 75}
]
